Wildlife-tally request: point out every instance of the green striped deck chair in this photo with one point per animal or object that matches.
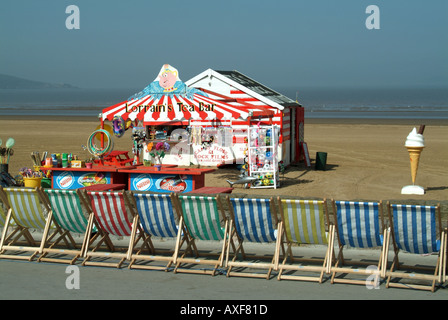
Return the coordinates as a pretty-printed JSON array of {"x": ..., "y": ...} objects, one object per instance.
[
  {"x": 417, "y": 230},
  {"x": 30, "y": 210},
  {"x": 304, "y": 223},
  {"x": 204, "y": 220},
  {"x": 71, "y": 216}
]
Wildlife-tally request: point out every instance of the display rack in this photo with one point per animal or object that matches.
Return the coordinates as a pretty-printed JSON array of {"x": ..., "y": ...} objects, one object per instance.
[{"x": 262, "y": 156}]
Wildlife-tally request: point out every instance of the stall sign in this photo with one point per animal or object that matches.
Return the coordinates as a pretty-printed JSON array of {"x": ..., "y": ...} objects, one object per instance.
[
  {"x": 161, "y": 183},
  {"x": 76, "y": 180}
]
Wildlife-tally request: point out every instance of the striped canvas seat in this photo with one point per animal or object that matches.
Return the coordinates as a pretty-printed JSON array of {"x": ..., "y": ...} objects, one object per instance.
[
  {"x": 111, "y": 212},
  {"x": 72, "y": 218},
  {"x": 202, "y": 217},
  {"x": 417, "y": 230},
  {"x": 360, "y": 225},
  {"x": 30, "y": 210},
  {"x": 255, "y": 221},
  {"x": 67, "y": 210},
  {"x": 204, "y": 220},
  {"x": 158, "y": 219},
  {"x": 114, "y": 215},
  {"x": 304, "y": 223}
]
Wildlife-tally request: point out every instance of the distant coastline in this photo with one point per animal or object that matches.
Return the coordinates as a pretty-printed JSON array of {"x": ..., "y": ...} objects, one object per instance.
[{"x": 12, "y": 82}]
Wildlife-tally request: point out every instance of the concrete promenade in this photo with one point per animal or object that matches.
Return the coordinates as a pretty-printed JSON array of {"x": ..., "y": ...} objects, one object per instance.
[{"x": 43, "y": 281}]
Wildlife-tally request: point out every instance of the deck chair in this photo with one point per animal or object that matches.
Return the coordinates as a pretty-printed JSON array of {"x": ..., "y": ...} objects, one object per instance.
[
  {"x": 204, "y": 220},
  {"x": 73, "y": 219},
  {"x": 114, "y": 215},
  {"x": 360, "y": 225},
  {"x": 304, "y": 223},
  {"x": 158, "y": 219},
  {"x": 30, "y": 210},
  {"x": 255, "y": 221},
  {"x": 417, "y": 230},
  {"x": 17, "y": 234}
]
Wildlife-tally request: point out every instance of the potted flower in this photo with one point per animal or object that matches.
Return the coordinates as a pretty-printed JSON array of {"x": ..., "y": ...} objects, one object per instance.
[{"x": 158, "y": 152}]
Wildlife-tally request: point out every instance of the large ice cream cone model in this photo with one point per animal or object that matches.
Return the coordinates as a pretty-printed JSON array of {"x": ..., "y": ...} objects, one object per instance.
[
  {"x": 414, "y": 144},
  {"x": 414, "y": 157}
]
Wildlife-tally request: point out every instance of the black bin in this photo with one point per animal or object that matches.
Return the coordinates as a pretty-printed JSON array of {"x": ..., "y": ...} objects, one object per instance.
[{"x": 321, "y": 161}]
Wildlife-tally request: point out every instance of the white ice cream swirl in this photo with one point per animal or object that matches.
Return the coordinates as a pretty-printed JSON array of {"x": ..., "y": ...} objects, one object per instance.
[{"x": 415, "y": 139}]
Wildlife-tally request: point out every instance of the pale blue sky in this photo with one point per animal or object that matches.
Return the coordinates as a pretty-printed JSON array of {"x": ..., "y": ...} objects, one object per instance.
[{"x": 280, "y": 43}]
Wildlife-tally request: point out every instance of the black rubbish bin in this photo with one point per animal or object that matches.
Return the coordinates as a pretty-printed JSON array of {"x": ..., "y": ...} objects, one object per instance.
[
  {"x": 321, "y": 161},
  {"x": 4, "y": 167}
]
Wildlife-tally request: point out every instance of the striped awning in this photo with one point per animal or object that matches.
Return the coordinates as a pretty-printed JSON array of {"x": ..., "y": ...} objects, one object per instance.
[{"x": 179, "y": 109}]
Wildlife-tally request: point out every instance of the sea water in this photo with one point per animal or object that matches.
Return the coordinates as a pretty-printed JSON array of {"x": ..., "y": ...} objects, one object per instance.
[{"x": 386, "y": 103}]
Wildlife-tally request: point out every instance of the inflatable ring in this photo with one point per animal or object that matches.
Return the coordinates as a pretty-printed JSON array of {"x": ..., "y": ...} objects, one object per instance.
[
  {"x": 119, "y": 126},
  {"x": 96, "y": 151}
]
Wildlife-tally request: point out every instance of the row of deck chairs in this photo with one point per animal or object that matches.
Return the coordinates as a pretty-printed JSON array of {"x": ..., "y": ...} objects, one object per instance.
[{"x": 217, "y": 234}]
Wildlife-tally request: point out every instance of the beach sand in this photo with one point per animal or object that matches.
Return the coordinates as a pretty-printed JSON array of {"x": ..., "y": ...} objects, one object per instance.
[{"x": 366, "y": 159}]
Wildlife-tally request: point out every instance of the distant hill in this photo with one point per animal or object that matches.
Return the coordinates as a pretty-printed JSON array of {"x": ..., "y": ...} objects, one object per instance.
[{"x": 11, "y": 82}]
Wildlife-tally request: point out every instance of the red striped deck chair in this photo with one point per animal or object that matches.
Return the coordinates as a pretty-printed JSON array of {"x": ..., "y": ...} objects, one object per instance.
[
  {"x": 72, "y": 217},
  {"x": 417, "y": 230},
  {"x": 205, "y": 221},
  {"x": 30, "y": 210},
  {"x": 304, "y": 223},
  {"x": 114, "y": 215},
  {"x": 158, "y": 219},
  {"x": 256, "y": 222}
]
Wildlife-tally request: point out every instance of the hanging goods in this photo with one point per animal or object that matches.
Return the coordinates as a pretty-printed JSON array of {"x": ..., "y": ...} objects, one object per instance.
[
  {"x": 119, "y": 126},
  {"x": 98, "y": 151}
]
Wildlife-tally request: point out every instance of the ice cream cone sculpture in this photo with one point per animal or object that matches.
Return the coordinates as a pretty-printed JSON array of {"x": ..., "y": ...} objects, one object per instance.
[
  {"x": 414, "y": 157},
  {"x": 415, "y": 143}
]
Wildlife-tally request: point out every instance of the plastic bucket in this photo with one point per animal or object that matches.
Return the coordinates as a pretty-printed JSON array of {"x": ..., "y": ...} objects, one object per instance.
[
  {"x": 32, "y": 182},
  {"x": 321, "y": 161}
]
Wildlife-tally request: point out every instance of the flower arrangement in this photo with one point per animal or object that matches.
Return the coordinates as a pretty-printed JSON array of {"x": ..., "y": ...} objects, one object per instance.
[
  {"x": 6, "y": 152},
  {"x": 29, "y": 173},
  {"x": 159, "y": 151}
]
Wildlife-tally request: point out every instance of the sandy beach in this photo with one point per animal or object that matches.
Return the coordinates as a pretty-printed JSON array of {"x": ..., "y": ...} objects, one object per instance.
[{"x": 366, "y": 158}]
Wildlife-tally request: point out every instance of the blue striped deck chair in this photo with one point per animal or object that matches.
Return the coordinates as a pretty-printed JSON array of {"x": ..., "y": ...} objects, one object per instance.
[
  {"x": 72, "y": 218},
  {"x": 360, "y": 225},
  {"x": 256, "y": 222},
  {"x": 18, "y": 234},
  {"x": 115, "y": 216},
  {"x": 30, "y": 210},
  {"x": 417, "y": 230},
  {"x": 158, "y": 219},
  {"x": 204, "y": 220},
  {"x": 304, "y": 223}
]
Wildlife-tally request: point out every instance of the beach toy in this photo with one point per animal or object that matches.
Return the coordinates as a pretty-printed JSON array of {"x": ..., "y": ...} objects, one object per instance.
[
  {"x": 100, "y": 151},
  {"x": 119, "y": 126},
  {"x": 415, "y": 142}
]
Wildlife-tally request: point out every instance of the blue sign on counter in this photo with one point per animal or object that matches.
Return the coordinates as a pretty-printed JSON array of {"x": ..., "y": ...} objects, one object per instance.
[
  {"x": 161, "y": 182},
  {"x": 78, "y": 179}
]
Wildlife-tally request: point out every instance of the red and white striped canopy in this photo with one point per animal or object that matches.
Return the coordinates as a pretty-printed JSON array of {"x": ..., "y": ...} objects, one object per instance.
[{"x": 178, "y": 109}]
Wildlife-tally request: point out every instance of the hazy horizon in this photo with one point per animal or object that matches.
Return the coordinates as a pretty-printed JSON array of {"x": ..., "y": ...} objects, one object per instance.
[{"x": 279, "y": 44}]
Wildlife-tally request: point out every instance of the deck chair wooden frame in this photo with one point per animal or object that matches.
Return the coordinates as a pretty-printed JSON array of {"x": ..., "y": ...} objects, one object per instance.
[
  {"x": 360, "y": 225},
  {"x": 73, "y": 219},
  {"x": 157, "y": 218},
  {"x": 114, "y": 215},
  {"x": 30, "y": 210},
  {"x": 18, "y": 234},
  {"x": 304, "y": 222},
  {"x": 204, "y": 219},
  {"x": 255, "y": 221},
  {"x": 417, "y": 229}
]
